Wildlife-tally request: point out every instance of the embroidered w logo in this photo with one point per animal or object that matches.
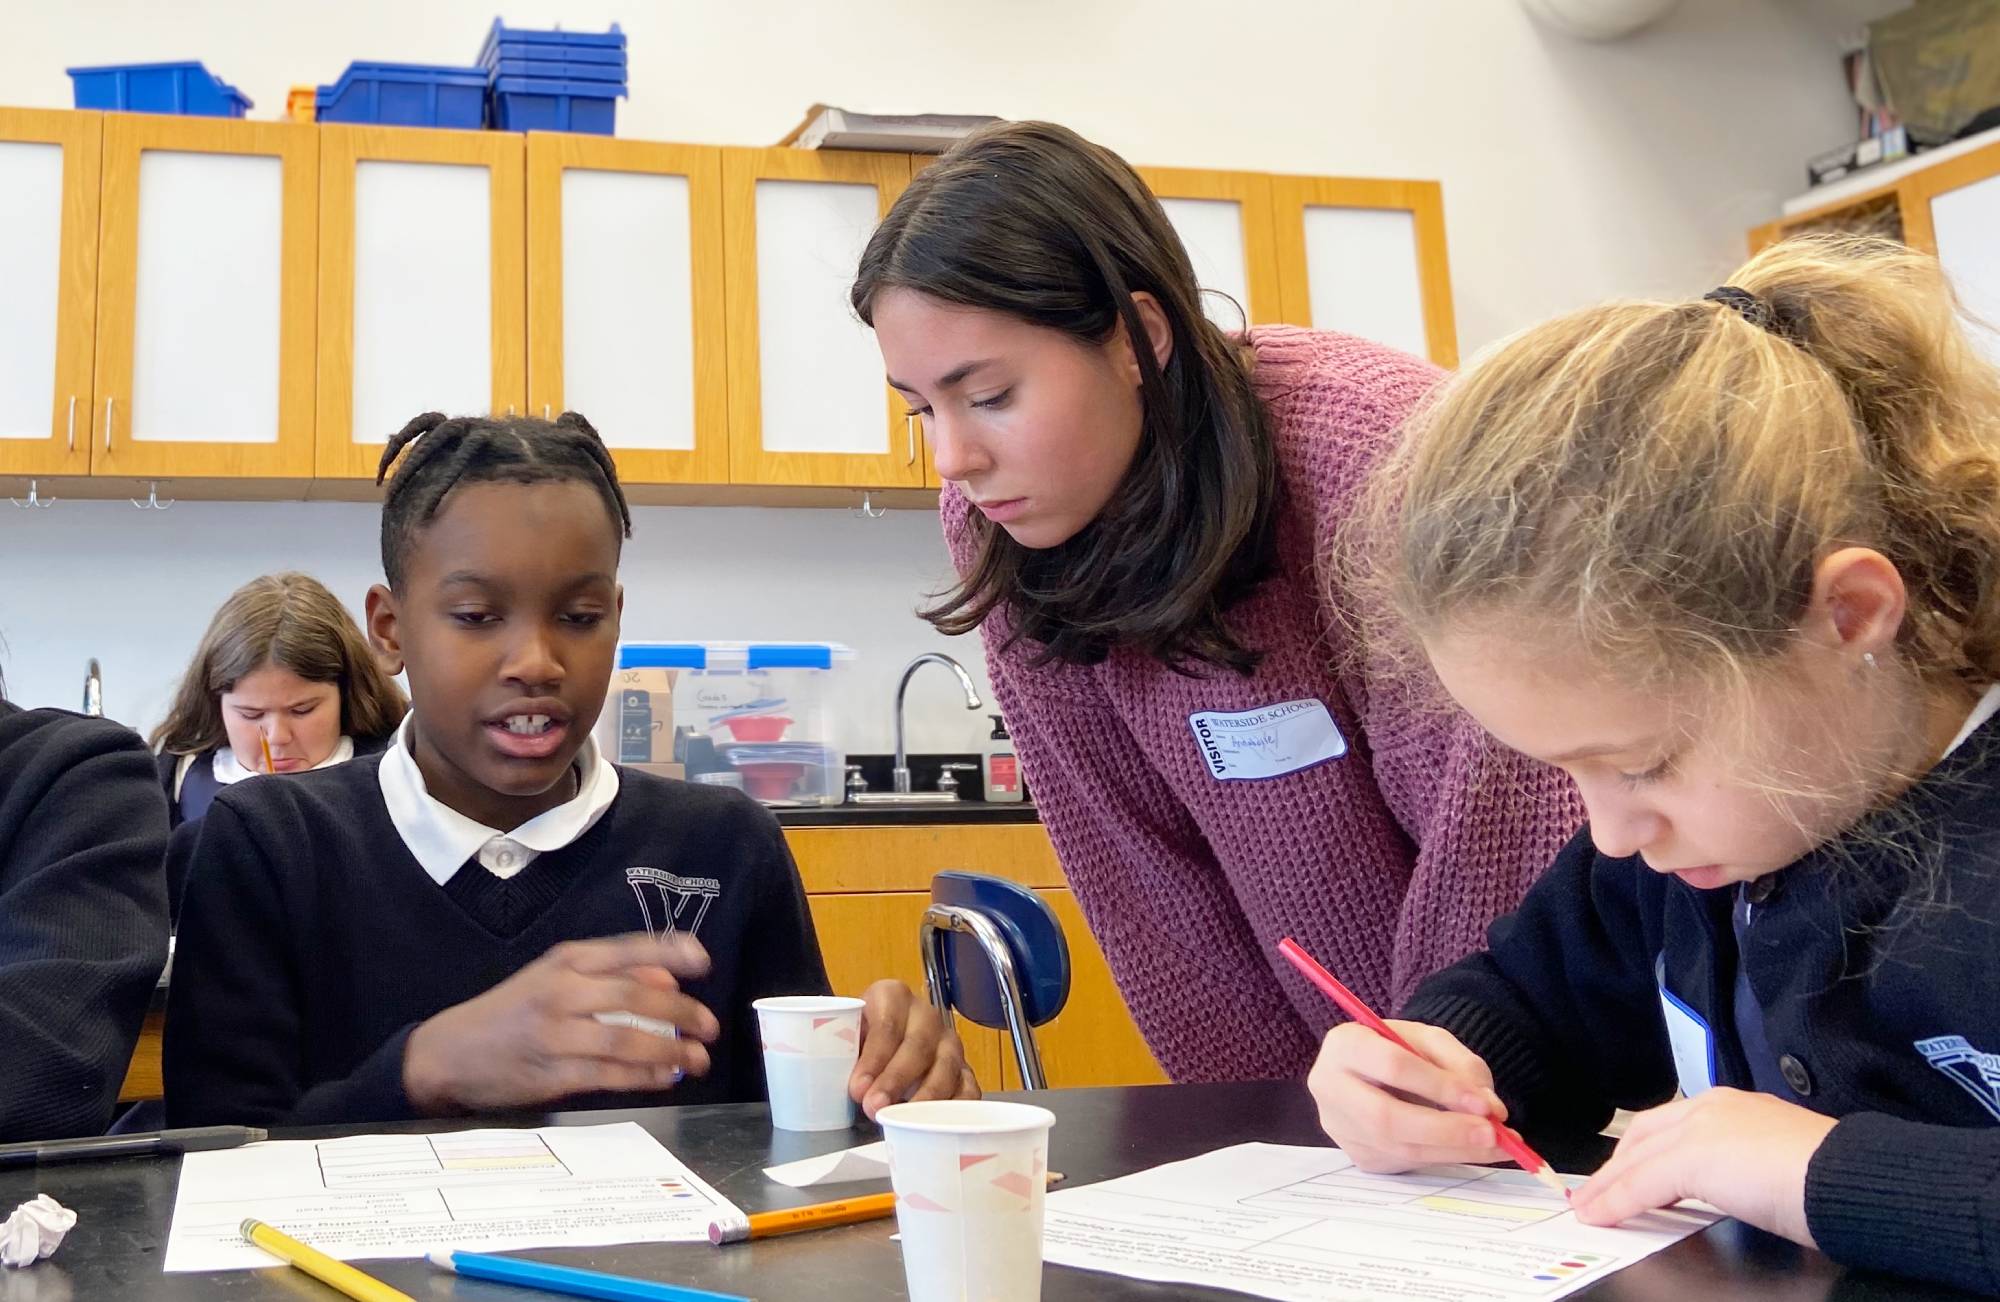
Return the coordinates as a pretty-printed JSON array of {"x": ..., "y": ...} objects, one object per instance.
[
  {"x": 683, "y": 901},
  {"x": 1977, "y": 1073}
]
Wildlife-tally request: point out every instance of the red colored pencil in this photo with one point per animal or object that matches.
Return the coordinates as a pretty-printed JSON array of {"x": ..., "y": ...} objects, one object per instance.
[{"x": 1350, "y": 1003}]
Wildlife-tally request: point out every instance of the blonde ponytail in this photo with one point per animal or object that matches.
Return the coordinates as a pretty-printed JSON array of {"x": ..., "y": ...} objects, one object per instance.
[{"x": 1661, "y": 479}]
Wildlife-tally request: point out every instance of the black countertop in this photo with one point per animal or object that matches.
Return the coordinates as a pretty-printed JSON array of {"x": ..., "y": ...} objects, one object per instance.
[{"x": 125, "y": 1208}]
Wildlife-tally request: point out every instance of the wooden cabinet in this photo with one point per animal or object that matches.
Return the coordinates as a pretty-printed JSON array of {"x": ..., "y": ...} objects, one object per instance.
[
  {"x": 204, "y": 363},
  {"x": 1948, "y": 205},
  {"x": 1226, "y": 221},
  {"x": 217, "y": 302},
  {"x": 48, "y": 310},
  {"x": 422, "y": 284},
  {"x": 1959, "y": 203},
  {"x": 625, "y": 300},
  {"x": 1367, "y": 257},
  {"x": 807, "y": 401}
]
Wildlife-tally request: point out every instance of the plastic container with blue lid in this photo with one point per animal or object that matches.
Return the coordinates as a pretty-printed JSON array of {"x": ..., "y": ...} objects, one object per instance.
[
  {"x": 185, "y": 87},
  {"x": 769, "y": 711}
]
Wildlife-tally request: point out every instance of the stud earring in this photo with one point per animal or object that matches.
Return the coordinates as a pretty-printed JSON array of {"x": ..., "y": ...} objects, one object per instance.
[{"x": 1868, "y": 658}]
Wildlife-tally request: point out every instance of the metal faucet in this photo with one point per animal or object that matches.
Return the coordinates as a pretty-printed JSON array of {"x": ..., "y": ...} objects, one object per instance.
[
  {"x": 93, "y": 690},
  {"x": 900, "y": 775}
]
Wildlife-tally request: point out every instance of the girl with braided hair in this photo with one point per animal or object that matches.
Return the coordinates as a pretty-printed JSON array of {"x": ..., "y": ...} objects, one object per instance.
[{"x": 490, "y": 914}]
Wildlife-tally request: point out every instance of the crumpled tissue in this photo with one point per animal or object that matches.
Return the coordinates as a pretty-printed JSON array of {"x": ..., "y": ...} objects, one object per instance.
[{"x": 34, "y": 1231}]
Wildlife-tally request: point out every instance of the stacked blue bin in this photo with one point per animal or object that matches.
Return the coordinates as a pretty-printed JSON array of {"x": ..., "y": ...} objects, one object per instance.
[
  {"x": 543, "y": 80},
  {"x": 157, "y": 88},
  {"x": 406, "y": 95}
]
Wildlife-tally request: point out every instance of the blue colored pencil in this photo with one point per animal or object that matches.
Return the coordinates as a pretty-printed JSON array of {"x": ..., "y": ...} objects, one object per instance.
[{"x": 570, "y": 1280}]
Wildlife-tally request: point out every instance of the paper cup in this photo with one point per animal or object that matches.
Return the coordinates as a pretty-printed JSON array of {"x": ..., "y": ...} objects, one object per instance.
[
  {"x": 970, "y": 1178},
  {"x": 810, "y": 1044}
]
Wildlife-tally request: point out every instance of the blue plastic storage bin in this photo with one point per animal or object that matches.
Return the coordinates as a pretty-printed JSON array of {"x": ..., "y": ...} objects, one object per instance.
[
  {"x": 588, "y": 47},
  {"x": 549, "y": 71},
  {"x": 605, "y": 55},
  {"x": 530, "y": 104},
  {"x": 157, "y": 88},
  {"x": 406, "y": 95}
]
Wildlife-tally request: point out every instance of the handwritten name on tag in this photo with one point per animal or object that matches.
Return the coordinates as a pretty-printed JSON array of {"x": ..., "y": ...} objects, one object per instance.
[{"x": 1268, "y": 742}]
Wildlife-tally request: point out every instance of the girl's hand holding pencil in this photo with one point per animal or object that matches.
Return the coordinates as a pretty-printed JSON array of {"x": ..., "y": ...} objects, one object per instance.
[
  {"x": 1374, "y": 1090},
  {"x": 1390, "y": 1109}
]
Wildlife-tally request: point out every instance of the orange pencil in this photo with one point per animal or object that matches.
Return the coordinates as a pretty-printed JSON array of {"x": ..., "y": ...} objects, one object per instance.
[
  {"x": 1350, "y": 1003},
  {"x": 819, "y": 1216},
  {"x": 265, "y": 742}
]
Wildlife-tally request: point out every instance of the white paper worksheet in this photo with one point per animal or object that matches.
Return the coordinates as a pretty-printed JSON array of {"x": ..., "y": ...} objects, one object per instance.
[
  {"x": 1304, "y": 1225},
  {"x": 403, "y": 1195}
]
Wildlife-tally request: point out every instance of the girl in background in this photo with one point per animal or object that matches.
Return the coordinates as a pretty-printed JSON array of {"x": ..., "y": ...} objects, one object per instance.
[{"x": 282, "y": 682}]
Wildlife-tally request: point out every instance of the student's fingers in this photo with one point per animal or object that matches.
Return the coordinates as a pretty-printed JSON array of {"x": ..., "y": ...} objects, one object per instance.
[
  {"x": 1640, "y": 1177},
  {"x": 885, "y": 1013},
  {"x": 968, "y": 1084},
  {"x": 1652, "y": 1135},
  {"x": 923, "y": 1036},
  {"x": 588, "y": 996},
  {"x": 567, "y": 1077},
  {"x": 947, "y": 1073},
  {"x": 1389, "y": 1064},
  {"x": 1442, "y": 1048},
  {"x": 586, "y": 1039},
  {"x": 678, "y": 954},
  {"x": 1356, "y": 1108}
]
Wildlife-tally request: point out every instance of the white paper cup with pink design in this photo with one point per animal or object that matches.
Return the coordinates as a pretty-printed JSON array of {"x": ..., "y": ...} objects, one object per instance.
[
  {"x": 971, "y": 1177},
  {"x": 810, "y": 1044}
]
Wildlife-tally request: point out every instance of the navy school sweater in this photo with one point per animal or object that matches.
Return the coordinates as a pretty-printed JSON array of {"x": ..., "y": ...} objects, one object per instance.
[
  {"x": 312, "y": 943},
  {"x": 1876, "y": 960},
  {"x": 83, "y": 916}
]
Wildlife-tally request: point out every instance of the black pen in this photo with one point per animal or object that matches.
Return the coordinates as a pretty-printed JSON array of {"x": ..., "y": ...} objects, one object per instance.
[{"x": 196, "y": 1140}]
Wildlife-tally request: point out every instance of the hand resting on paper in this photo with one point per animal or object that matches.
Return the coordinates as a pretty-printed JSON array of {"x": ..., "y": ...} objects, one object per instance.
[
  {"x": 1390, "y": 1110},
  {"x": 908, "y": 1052},
  {"x": 536, "y": 1037},
  {"x": 1743, "y": 1152}
]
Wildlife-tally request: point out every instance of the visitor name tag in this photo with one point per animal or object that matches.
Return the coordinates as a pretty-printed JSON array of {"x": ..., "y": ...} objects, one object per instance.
[
  {"x": 1692, "y": 1041},
  {"x": 1268, "y": 742}
]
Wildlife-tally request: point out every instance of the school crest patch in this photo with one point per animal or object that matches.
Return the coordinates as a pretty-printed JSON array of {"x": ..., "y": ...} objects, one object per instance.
[
  {"x": 669, "y": 902},
  {"x": 1978, "y": 1074}
]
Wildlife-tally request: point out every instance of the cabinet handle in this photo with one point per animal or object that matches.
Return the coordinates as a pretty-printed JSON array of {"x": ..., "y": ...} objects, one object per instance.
[
  {"x": 545, "y": 412},
  {"x": 910, "y": 429},
  {"x": 107, "y": 424},
  {"x": 72, "y": 422},
  {"x": 510, "y": 411}
]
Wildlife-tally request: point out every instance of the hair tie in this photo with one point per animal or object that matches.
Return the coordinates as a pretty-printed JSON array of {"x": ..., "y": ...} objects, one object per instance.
[{"x": 1747, "y": 305}]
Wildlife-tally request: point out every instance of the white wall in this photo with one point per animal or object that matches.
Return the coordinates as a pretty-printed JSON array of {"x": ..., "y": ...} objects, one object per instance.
[
  {"x": 153, "y": 578},
  {"x": 1571, "y": 172}
]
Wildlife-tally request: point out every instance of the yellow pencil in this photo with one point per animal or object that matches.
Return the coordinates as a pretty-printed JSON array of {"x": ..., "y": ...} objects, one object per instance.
[
  {"x": 266, "y": 743},
  {"x": 336, "y": 1274}
]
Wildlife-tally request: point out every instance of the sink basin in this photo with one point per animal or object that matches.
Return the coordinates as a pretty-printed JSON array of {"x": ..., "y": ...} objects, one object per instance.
[{"x": 904, "y": 798}]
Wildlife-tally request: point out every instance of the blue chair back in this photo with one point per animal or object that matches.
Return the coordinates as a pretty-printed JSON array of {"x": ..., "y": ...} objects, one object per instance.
[{"x": 1034, "y": 939}]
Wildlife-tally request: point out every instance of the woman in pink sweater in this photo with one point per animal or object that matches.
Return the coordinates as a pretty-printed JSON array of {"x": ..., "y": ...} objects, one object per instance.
[{"x": 1142, "y": 509}]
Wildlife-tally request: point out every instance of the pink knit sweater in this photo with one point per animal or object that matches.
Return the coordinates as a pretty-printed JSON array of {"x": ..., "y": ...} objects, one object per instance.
[{"x": 1386, "y": 864}]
